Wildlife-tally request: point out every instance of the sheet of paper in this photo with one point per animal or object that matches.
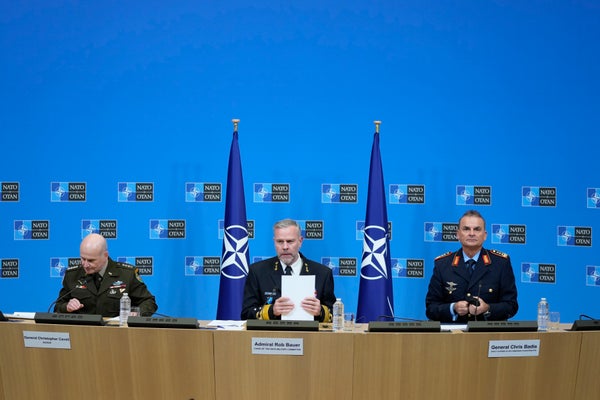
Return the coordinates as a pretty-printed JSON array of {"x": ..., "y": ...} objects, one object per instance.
[
  {"x": 228, "y": 325},
  {"x": 453, "y": 327},
  {"x": 297, "y": 288},
  {"x": 21, "y": 315}
]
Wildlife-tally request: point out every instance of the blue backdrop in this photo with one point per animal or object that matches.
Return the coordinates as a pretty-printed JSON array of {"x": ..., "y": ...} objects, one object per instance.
[{"x": 116, "y": 116}]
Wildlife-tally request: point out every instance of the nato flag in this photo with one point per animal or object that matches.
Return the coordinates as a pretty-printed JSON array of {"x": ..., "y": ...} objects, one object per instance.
[
  {"x": 235, "y": 255},
  {"x": 375, "y": 295}
]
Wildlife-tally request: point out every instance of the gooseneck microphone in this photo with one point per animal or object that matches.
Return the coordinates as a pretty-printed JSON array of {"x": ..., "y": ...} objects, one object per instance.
[
  {"x": 83, "y": 281},
  {"x": 475, "y": 300},
  {"x": 478, "y": 302}
]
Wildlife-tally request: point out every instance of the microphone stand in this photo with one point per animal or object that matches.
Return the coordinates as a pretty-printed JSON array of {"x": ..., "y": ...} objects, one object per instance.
[{"x": 83, "y": 281}]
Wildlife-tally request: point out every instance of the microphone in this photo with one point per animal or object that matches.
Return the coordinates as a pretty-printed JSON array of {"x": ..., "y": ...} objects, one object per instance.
[
  {"x": 478, "y": 302},
  {"x": 83, "y": 281},
  {"x": 475, "y": 301}
]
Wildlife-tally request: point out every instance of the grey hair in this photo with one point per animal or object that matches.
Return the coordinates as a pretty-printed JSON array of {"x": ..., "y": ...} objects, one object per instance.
[{"x": 286, "y": 223}]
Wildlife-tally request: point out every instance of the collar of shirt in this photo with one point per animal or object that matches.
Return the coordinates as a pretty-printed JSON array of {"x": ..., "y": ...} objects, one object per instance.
[
  {"x": 102, "y": 271},
  {"x": 475, "y": 257},
  {"x": 296, "y": 266}
]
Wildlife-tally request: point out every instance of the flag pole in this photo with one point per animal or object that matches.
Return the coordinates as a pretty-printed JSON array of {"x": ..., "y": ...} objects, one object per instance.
[
  {"x": 377, "y": 123},
  {"x": 234, "y": 256},
  {"x": 375, "y": 294}
]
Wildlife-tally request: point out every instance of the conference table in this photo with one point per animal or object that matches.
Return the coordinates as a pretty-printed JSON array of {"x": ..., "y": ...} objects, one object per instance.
[{"x": 109, "y": 362}]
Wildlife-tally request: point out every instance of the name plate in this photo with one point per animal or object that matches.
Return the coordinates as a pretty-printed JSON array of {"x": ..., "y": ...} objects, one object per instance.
[
  {"x": 47, "y": 340},
  {"x": 278, "y": 346},
  {"x": 514, "y": 348}
]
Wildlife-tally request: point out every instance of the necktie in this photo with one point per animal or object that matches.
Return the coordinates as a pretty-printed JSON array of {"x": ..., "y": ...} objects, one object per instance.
[
  {"x": 288, "y": 270},
  {"x": 471, "y": 266},
  {"x": 97, "y": 280}
]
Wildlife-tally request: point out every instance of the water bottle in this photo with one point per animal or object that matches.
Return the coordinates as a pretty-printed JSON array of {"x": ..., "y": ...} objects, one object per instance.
[
  {"x": 542, "y": 315},
  {"x": 125, "y": 309},
  {"x": 338, "y": 315}
]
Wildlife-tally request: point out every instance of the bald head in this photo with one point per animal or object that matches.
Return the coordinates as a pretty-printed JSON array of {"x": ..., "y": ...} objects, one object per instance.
[{"x": 93, "y": 252}]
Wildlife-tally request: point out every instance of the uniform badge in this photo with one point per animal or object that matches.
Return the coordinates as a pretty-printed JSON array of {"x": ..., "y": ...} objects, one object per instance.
[
  {"x": 137, "y": 275},
  {"x": 271, "y": 296},
  {"x": 112, "y": 291},
  {"x": 451, "y": 287}
]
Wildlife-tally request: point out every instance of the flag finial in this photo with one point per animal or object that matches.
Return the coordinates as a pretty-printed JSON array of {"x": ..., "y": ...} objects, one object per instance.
[
  {"x": 377, "y": 123},
  {"x": 235, "y": 123}
]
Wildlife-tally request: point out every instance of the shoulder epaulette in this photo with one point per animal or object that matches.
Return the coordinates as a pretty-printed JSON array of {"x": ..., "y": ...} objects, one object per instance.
[
  {"x": 499, "y": 253},
  {"x": 444, "y": 255},
  {"x": 124, "y": 265}
]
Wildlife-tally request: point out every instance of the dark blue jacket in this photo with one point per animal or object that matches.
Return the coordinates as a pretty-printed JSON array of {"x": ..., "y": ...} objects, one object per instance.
[
  {"x": 493, "y": 280},
  {"x": 263, "y": 287}
]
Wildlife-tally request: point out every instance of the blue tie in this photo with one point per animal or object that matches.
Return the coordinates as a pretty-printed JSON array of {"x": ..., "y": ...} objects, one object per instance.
[{"x": 471, "y": 266}]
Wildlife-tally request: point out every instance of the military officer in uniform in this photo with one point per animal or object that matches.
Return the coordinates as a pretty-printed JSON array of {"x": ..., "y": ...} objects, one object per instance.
[
  {"x": 472, "y": 283},
  {"x": 96, "y": 286},
  {"x": 262, "y": 291}
]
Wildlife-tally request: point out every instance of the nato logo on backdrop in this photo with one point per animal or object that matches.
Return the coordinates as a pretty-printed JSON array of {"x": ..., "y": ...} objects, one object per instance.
[
  {"x": 538, "y": 272},
  {"x": 31, "y": 229},
  {"x": 312, "y": 229},
  {"x": 441, "y": 232},
  {"x": 202, "y": 265},
  {"x": 592, "y": 275},
  {"x": 249, "y": 225},
  {"x": 104, "y": 227},
  {"x": 145, "y": 265},
  {"x": 406, "y": 194},
  {"x": 135, "y": 191},
  {"x": 593, "y": 197},
  {"x": 9, "y": 191},
  {"x": 509, "y": 234},
  {"x": 467, "y": 195},
  {"x": 537, "y": 196},
  {"x": 408, "y": 268},
  {"x": 574, "y": 236},
  {"x": 67, "y": 191},
  {"x": 199, "y": 192},
  {"x": 360, "y": 230},
  {"x": 10, "y": 268},
  {"x": 340, "y": 266},
  {"x": 167, "y": 229},
  {"x": 339, "y": 193},
  {"x": 271, "y": 193},
  {"x": 58, "y": 265}
]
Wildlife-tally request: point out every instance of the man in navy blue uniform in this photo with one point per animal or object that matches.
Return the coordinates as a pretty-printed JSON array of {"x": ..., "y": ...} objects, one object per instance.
[
  {"x": 472, "y": 283},
  {"x": 262, "y": 291}
]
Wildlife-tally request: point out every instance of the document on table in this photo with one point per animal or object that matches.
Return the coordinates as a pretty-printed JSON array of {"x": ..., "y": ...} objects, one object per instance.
[
  {"x": 21, "y": 315},
  {"x": 297, "y": 288},
  {"x": 228, "y": 325}
]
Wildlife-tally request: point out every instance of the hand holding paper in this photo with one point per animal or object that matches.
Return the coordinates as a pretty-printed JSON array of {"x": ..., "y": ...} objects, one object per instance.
[{"x": 297, "y": 288}]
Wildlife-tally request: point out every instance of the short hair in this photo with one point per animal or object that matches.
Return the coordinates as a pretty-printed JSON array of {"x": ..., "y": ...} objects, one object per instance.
[
  {"x": 286, "y": 223},
  {"x": 472, "y": 213}
]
